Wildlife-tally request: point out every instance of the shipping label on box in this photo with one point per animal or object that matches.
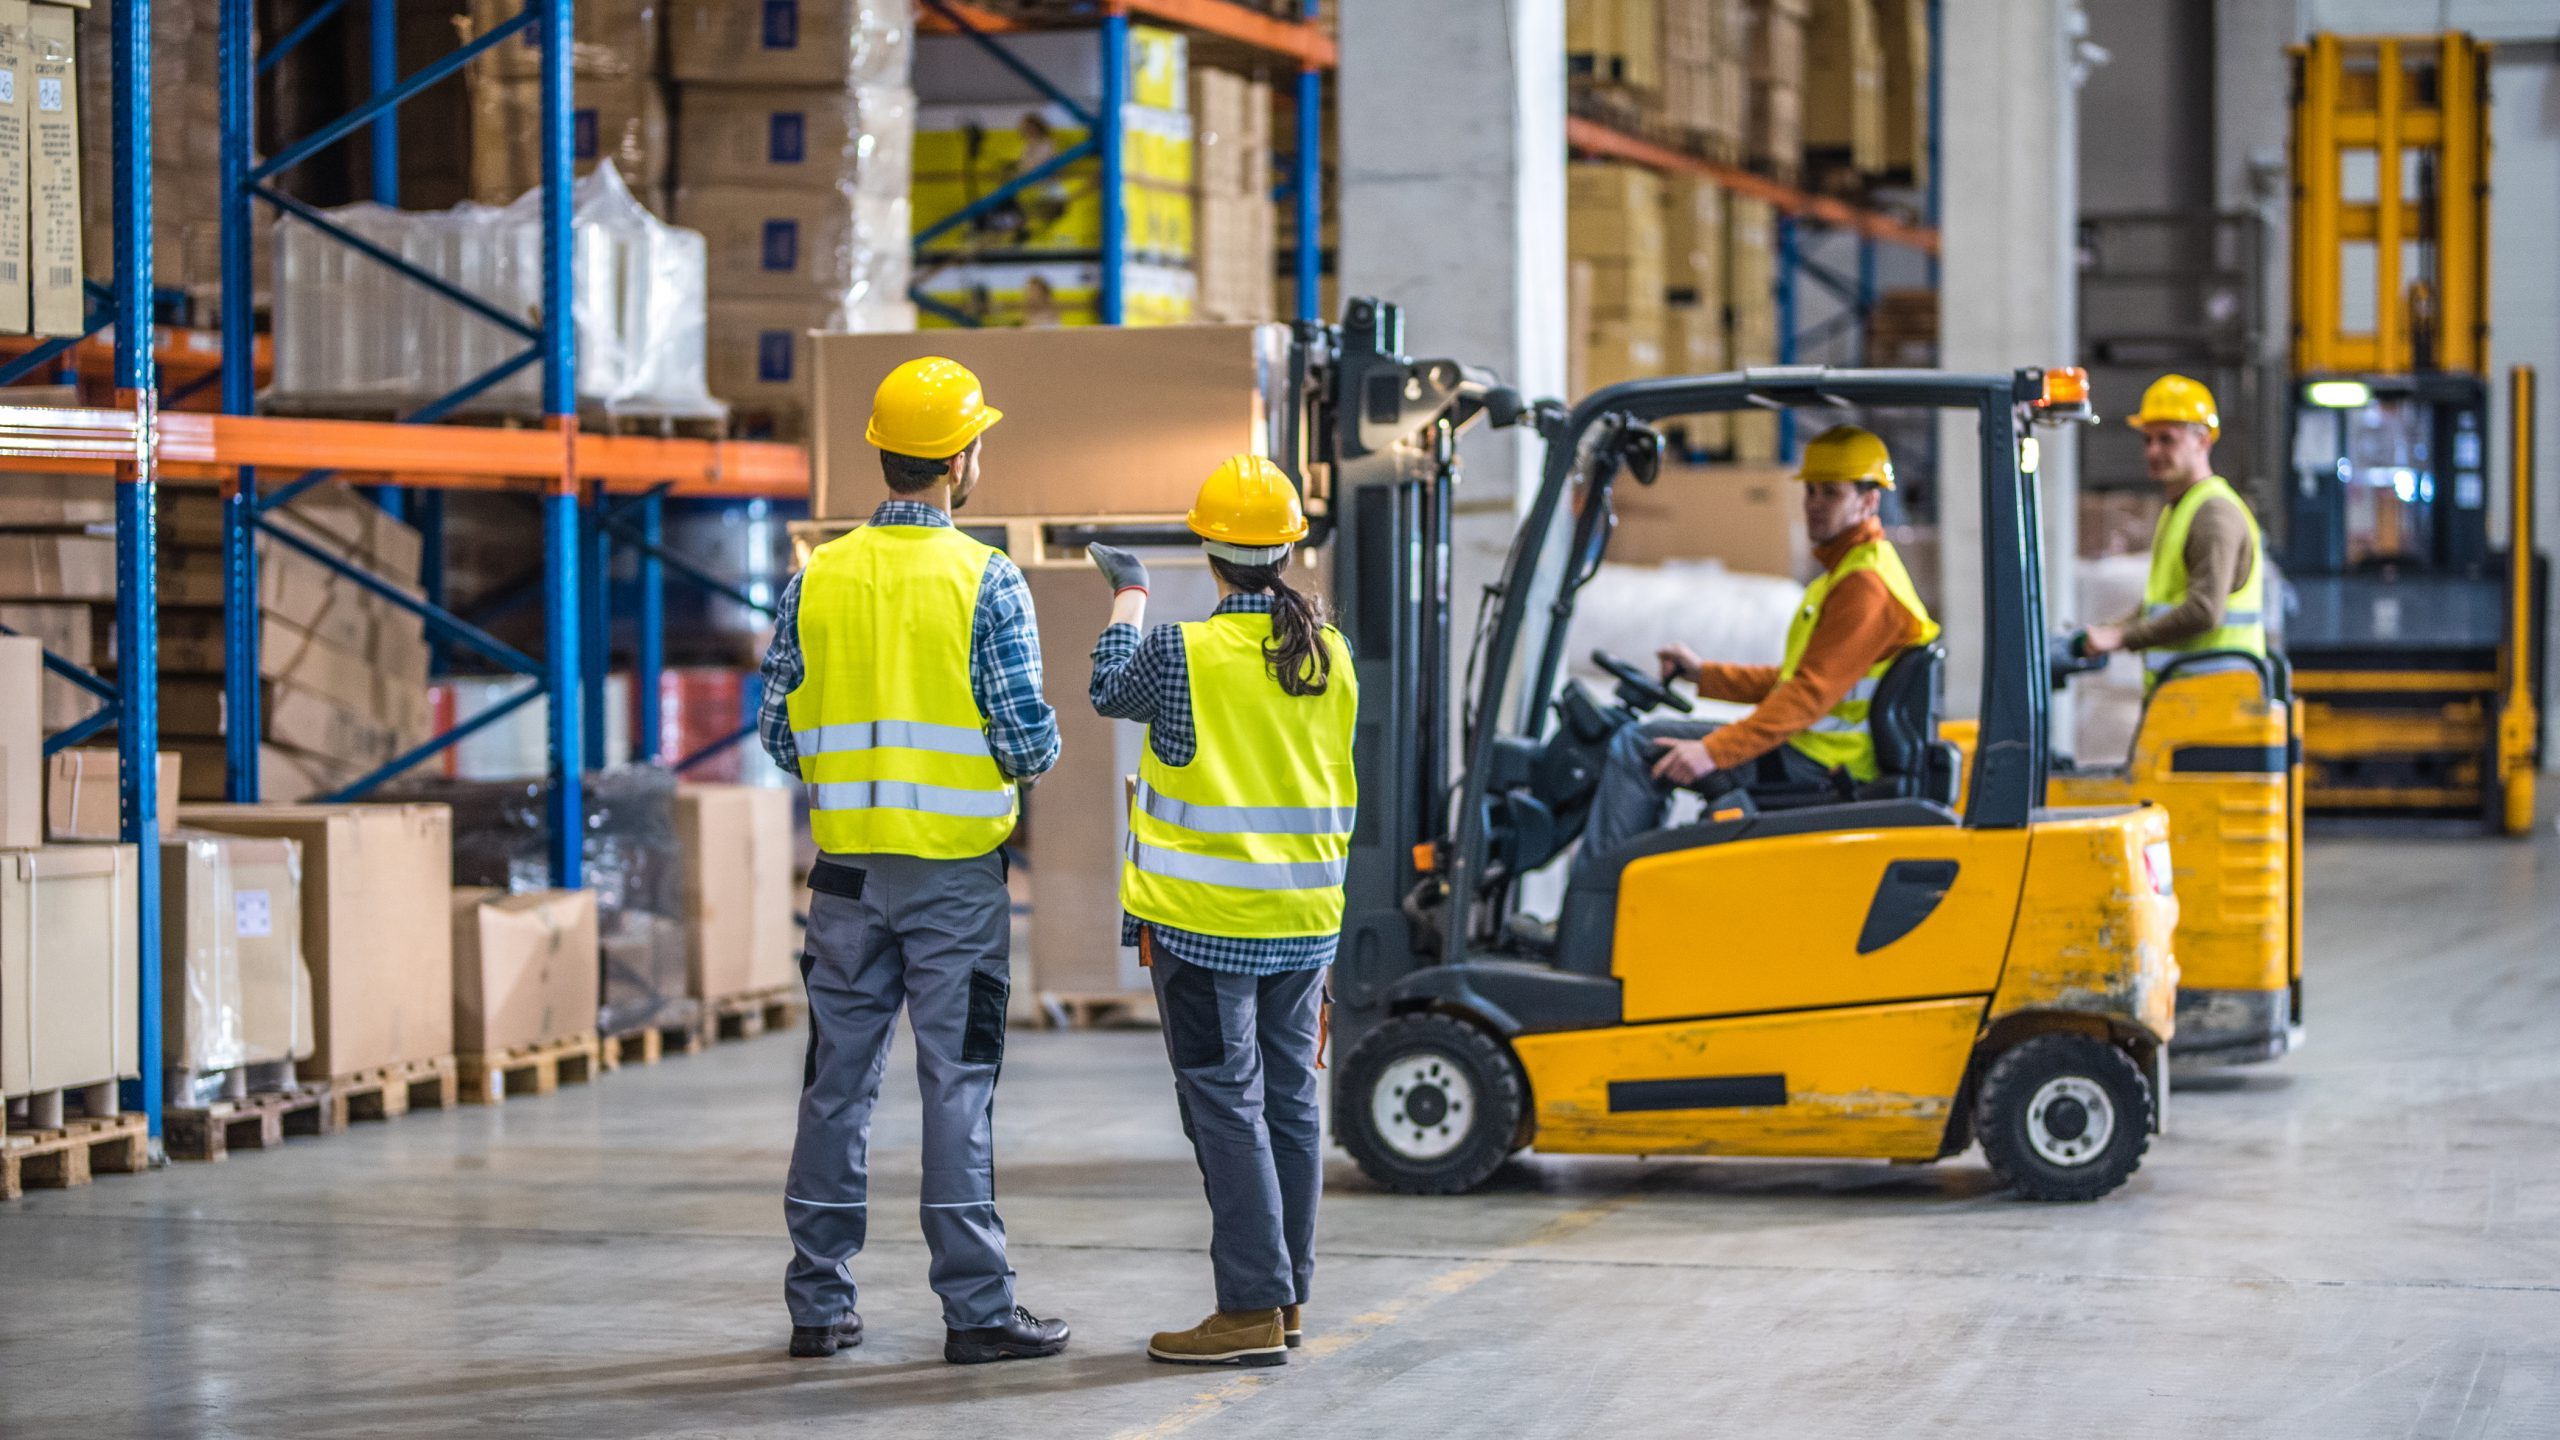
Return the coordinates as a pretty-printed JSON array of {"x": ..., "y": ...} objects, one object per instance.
[
  {"x": 59, "y": 305},
  {"x": 15, "y": 298}
]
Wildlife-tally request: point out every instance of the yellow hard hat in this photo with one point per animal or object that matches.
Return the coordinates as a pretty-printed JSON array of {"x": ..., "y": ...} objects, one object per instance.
[
  {"x": 1248, "y": 501},
  {"x": 2177, "y": 400},
  {"x": 1846, "y": 452},
  {"x": 930, "y": 408}
]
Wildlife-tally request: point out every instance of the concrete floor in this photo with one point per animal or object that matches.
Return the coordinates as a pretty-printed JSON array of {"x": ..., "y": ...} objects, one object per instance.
[{"x": 2361, "y": 1240}]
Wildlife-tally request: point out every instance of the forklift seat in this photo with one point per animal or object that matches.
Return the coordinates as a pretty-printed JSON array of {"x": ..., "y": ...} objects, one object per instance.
[{"x": 1912, "y": 763}]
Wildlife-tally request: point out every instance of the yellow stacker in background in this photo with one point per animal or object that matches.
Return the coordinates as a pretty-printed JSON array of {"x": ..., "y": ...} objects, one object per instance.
[{"x": 2414, "y": 651}]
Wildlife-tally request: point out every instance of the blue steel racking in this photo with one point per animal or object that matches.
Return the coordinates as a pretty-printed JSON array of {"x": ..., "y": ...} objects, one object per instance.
[{"x": 1104, "y": 122}]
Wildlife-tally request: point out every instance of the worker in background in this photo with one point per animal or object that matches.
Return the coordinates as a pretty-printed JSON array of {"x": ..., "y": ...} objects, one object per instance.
[
  {"x": 1239, "y": 834},
  {"x": 2206, "y": 590},
  {"x": 903, "y": 686},
  {"x": 1809, "y": 724}
]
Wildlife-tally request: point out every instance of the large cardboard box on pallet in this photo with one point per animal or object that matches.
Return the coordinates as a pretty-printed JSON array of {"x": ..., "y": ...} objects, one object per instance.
[
  {"x": 83, "y": 794},
  {"x": 525, "y": 968},
  {"x": 235, "y": 987},
  {"x": 21, "y": 743},
  {"x": 737, "y": 849},
  {"x": 377, "y": 924},
  {"x": 1098, "y": 421},
  {"x": 68, "y": 1012}
]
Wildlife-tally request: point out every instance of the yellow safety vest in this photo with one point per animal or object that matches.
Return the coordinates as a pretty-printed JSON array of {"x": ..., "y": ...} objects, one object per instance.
[
  {"x": 1251, "y": 838},
  {"x": 1839, "y": 740},
  {"x": 892, "y": 742},
  {"x": 2243, "y": 624}
]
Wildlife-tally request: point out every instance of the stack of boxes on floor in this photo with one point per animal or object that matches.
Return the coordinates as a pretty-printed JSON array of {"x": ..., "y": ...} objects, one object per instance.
[
  {"x": 1033, "y": 259},
  {"x": 794, "y": 126},
  {"x": 618, "y": 104},
  {"x": 1234, "y": 222}
]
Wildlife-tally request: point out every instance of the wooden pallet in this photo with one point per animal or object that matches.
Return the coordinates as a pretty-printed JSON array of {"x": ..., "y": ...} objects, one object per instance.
[
  {"x": 651, "y": 1043},
  {"x": 392, "y": 1091},
  {"x": 749, "y": 1014},
  {"x": 74, "y": 1154},
  {"x": 258, "y": 1121},
  {"x": 530, "y": 1069},
  {"x": 49, "y": 1110},
  {"x": 1104, "y": 1010}
]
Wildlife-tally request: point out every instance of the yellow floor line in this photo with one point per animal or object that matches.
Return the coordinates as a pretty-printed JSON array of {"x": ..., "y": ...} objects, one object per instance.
[{"x": 1430, "y": 1291}]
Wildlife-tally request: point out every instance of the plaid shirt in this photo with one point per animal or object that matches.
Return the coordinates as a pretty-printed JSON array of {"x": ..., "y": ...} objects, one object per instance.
[
  {"x": 1149, "y": 681},
  {"x": 1004, "y": 664}
]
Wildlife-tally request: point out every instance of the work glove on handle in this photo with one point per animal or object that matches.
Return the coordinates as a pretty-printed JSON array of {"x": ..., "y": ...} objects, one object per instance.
[{"x": 1124, "y": 570}]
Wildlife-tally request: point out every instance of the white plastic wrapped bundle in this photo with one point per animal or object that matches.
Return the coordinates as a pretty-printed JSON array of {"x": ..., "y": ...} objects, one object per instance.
[
  {"x": 1634, "y": 610},
  {"x": 351, "y": 331}
]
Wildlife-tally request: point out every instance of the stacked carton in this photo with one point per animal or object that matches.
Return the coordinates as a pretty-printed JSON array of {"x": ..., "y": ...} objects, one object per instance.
[
  {"x": 1032, "y": 256},
  {"x": 792, "y": 144},
  {"x": 1615, "y": 46},
  {"x": 1844, "y": 92},
  {"x": 40, "y": 179},
  {"x": 1672, "y": 68},
  {"x": 1774, "y": 39},
  {"x": 1233, "y": 220},
  {"x": 1693, "y": 334},
  {"x": 1902, "y": 28},
  {"x": 1751, "y": 309},
  {"x": 186, "y": 138},
  {"x": 618, "y": 108},
  {"x": 1615, "y": 224}
]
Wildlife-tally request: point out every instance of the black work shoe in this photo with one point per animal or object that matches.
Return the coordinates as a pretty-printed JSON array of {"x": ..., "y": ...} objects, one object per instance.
[
  {"x": 1022, "y": 1336},
  {"x": 813, "y": 1342}
]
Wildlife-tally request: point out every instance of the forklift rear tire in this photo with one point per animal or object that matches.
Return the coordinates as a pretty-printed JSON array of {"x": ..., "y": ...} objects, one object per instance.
[
  {"x": 1428, "y": 1105},
  {"x": 2064, "y": 1117}
]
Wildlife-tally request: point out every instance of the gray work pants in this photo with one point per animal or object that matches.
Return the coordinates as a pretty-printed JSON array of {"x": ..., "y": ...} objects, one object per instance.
[
  {"x": 1630, "y": 800},
  {"x": 1244, "y": 1064},
  {"x": 932, "y": 935}
]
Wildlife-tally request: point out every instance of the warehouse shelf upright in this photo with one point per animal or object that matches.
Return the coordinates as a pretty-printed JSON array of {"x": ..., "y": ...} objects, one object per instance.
[
  {"x": 141, "y": 444},
  {"x": 1301, "y": 40}
]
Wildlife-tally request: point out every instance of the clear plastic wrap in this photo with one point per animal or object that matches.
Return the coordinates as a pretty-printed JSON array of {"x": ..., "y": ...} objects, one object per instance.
[
  {"x": 352, "y": 332},
  {"x": 237, "y": 990},
  {"x": 500, "y": 838}
]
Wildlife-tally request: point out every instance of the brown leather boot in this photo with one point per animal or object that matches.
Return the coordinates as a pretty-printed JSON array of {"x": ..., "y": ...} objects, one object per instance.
[
  {"x": 1289, "y": 1324},
  {"x": 1243, "y": 1337}
]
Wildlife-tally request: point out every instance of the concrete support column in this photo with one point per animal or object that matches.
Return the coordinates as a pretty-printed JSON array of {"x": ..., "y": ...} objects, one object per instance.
[
  {"x": 1452, "y": 157},
  {"x": 2009, "y": 147}
]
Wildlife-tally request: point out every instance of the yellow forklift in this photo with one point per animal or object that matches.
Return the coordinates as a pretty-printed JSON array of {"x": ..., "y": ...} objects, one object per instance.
[{"x": 1883, "y": 976}]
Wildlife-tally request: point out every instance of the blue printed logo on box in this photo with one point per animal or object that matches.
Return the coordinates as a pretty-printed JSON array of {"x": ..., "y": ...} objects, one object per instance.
[
  {"x": 782, "y": 24},
  {"x": 782, "y": 244},
  {"x": 773, "y": 356},
  {"x": 582, "y": 133},
  {"x": 786, "y": 137}
]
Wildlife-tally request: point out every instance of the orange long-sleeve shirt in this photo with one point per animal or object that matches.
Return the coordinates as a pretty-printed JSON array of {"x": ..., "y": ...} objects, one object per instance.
[{"x": 1861, "y": 625}]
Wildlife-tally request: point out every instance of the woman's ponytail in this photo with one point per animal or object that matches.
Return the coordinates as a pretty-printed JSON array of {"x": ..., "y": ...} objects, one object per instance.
[{"x": 1296, "y": 653}]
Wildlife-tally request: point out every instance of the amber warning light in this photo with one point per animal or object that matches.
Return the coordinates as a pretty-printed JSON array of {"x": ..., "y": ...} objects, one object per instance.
[{"x": 2065, "y": 386}]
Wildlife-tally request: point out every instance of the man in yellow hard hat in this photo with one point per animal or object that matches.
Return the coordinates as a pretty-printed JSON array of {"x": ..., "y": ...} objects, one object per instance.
[
  {"x": 903, "y": 686},
  {"x": 2207, "y": 586},
  {"x": 1232, "y": 886},
  {"x": 1809, "y": 721}
]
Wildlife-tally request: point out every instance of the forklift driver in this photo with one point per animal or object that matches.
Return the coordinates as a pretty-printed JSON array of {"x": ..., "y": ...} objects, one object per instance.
[{"x": 1810, "y": 724}]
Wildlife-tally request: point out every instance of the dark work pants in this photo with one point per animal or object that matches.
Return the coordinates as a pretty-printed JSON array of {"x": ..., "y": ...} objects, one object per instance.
[
  {"x": 1244, "y": 1064},
  {"x": 932, "y": 936},
  {"x": 1631, "y": 800}
]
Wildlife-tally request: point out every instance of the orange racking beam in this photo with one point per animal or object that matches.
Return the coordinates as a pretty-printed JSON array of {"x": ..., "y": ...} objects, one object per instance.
[
  {"x": 1593, "y": 138},
  {"x": 1309, "y": 46},
  {"x": 210, "y": 448}
]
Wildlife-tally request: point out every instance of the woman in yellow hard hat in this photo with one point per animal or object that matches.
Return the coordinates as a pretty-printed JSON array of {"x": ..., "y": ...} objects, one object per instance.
[{"x": 1232, "y": 884}]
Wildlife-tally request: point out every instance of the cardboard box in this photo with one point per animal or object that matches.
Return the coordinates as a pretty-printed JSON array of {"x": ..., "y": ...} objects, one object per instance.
[
  {"x": 1844, "y": 84},
  {"x": 1902, "y": 26},
  {"x": 332, "y": 517},
  {"x": 525, "y": 968},
  {"x": 302, "y": 661},
  {"x": 58, "y": 567},
  {"x": 1120, "y": 421},
  {"x": 21, "y": 744},
  {"x": 1749, "y": 517},
  {"x": 15, "y": 295},
  {"x": 1624, "y": 350},
  {"x": 377, "y": 924},
  {"x": 793, "y": 244},
  {"x": 84, "y": 800},
  {"x": 300, "y": 591},
  {"x": 59, "y": 306},
  {"x": 786, "y": 42},
  {"x": 68, "y": 631},
  {"x": 621, "y": 119},
  {"x": 235, "y": 988},
  {"x": 1693, "y": 343},
  {"x": 1230, "y": 132},
  {"x": 1236, "y": 245},
  {"x": 285, "y": 777},
  {"x": 1693, "y": 215},
  {"x": 296, "y": 719},
  {"x": 823, "y": 137},
  {"x": 612, "y": 39},
  {"x": 54, "y": 502},
  {"x": 68, "y": 1013},
  {"x": 737, "y": 847},
  {"x": 757, "y": 351}
]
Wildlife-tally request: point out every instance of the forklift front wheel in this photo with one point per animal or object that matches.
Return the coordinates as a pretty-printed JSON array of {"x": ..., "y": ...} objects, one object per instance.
[
  {"x": 2064, "y": 1116},
  {"x": 1428, "y": 1105}
]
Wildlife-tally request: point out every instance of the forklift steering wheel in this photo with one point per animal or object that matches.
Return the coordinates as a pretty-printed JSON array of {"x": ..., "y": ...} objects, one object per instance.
[{"x": 1637, "y": 690}]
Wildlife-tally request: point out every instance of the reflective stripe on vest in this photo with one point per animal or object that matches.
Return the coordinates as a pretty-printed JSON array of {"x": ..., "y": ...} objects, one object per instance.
[
  {"x": 1252, "y": 839},
  {"x": 1839, "y": 739},
  {"x": 2243, "y": 626},
  {"x": 892, "y": 743}
]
